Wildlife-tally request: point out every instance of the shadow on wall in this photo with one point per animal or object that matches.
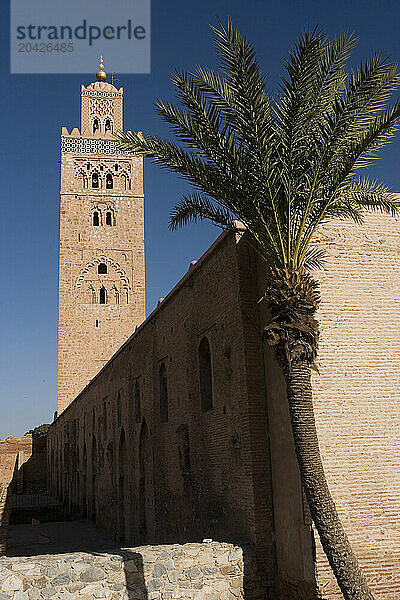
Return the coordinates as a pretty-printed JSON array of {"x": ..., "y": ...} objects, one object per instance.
[
  {"x": 93, "y": 558},
  {"x": 4, "y": 517},
  {"x": 106, "y": 565},
  {"x": 19, "y": 475},
  {"x": 29, "y": 476},
  {"x": 134, "y": 575},
  {"x": 29, "y": 497},
  {"x": 206, "y": 570}
]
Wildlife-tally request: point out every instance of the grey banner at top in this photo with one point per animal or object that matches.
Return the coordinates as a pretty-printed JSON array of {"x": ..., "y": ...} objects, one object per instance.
[{"x": 68, "y": 36}]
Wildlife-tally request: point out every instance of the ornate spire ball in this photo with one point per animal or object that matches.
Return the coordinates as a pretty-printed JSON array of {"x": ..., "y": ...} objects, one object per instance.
[{"x": 101, "y": 75}]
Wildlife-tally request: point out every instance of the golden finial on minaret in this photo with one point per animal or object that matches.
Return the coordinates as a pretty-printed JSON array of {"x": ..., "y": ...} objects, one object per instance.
[{"x": 101, "y": 75}]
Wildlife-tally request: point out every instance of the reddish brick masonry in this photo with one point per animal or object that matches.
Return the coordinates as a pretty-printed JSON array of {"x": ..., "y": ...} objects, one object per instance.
[{"x": 230, "y": 472}]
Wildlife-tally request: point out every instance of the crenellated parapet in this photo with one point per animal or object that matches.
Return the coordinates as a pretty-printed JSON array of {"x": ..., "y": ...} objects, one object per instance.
[
  {"x": 101, "y": 89},
  {"x": 76, "y": 133}
]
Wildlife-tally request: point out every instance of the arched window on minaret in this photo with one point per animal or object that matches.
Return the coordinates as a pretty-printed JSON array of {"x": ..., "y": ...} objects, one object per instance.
[
  {"x": 109, "y": 181},
  {"x": 82, "y": 180},
  {"x": 103, "y": 295},
  {"x": 95, "y": 180},
  {"x": 125, "y": 181},
  {"x": 96, "y": 220},
  {"x": 108, "y": 218},
  {"x": 93, "y": 293},
  {"x": 102, "y": 269},
  {"x": 108, "y": 125},
  {"x": 116, "y": 292},
  {"x": 96, "y": 125}
]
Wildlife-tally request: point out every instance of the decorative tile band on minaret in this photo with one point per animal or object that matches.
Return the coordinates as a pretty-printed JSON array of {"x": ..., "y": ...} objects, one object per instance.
[{"x": 101, "y": 269}]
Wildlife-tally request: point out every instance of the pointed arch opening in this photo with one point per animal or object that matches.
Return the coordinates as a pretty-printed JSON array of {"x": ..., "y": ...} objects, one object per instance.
[
  {"x": 95, "y": 180},
  {"x": 96, "y": 219},
  {"x": 163, "y": 385},
  {"x": 122, "y": 486},
  {"x": 138, "y": 412},
  {"x": 125, "y": 181},
  {"x": 95, "y": 125},
  {"x": 119, "y": 409},
  {"x": 82, "y": 180},
  {"x": 205, "y": 373},
  {"x": 108, "y": 125},
  {"x": 109, "y": 217},
  {"x": 109, "y": 181},
  {"x": 93, "y": 511},
  {"x": 146, "y": 497},
  {"x": 103, "y": 295}
]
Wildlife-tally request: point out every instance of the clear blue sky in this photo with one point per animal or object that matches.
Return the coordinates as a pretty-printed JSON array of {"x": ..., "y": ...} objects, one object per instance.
[{"x": 33, "y": 109}]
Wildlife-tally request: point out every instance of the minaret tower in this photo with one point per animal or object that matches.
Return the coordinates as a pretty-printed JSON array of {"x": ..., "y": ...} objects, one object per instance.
[{"x": 101, "y": 273}]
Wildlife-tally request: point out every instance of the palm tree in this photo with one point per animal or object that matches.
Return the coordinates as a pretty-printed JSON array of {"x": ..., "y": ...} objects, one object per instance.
[{"x": 284, "y": 166}]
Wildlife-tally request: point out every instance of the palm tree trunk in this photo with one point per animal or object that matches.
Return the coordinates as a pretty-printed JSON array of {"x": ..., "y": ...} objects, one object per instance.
[{"x": 323, "y": 510}]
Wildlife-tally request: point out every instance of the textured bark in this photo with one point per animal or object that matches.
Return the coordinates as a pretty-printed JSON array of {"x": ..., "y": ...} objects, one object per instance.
[{"x": 322, "y": 507}]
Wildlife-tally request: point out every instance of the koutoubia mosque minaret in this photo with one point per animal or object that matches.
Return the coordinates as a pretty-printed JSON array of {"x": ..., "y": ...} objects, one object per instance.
[{"x": 101, "y": 269}]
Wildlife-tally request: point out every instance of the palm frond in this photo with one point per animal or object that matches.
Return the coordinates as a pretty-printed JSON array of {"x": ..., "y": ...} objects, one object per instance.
[
  {"x": 286, "y": 166},
  {"x": 197, "y": 207},
  {"x": 314, "y": 258},
  {"x": 363, "y": 101},
  {"x": 203, "y": 175},
  {"x": 369, "y": 195},
  {"x": 201, "y": 126},
  {"x": 248, "y": 107},
  {"x": 283, "y": 167}
]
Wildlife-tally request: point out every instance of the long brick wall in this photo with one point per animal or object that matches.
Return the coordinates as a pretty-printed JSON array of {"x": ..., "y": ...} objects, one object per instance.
[
  {"x": 230, "y": 473},
  {"x": 152, "y": 477},
  {"x": 357, "y": 394},
  {"x": 356, "y": 399}
]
